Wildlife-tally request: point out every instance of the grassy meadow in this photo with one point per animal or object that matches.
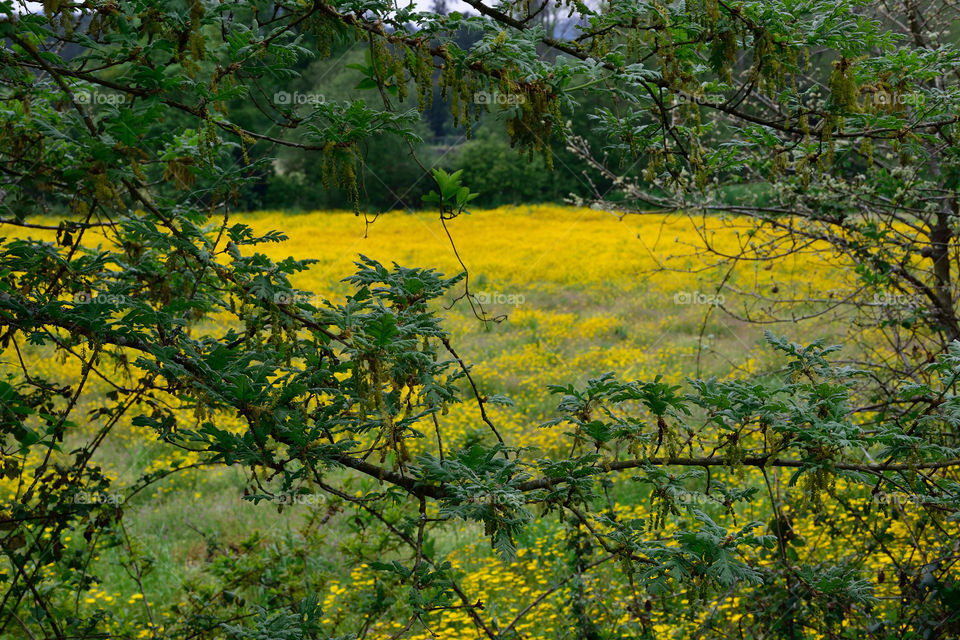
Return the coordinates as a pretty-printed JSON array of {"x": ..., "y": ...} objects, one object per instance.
[{"x": 577, "y": 293}]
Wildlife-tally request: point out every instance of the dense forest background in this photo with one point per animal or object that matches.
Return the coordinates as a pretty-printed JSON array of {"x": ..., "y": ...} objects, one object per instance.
[{"x": 391, "y": 178}]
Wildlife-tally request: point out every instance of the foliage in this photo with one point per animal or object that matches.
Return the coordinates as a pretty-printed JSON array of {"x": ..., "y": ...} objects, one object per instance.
[{"x": 203, "y": 339}]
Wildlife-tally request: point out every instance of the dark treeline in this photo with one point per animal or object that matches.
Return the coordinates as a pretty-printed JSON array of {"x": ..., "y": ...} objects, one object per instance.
[{"x": 390, "y": 177}]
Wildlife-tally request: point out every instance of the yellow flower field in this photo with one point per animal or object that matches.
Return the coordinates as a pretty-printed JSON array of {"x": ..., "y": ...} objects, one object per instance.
[
  {"x": 581, "y": 291},
  {"x": 577, "y": 292}
]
